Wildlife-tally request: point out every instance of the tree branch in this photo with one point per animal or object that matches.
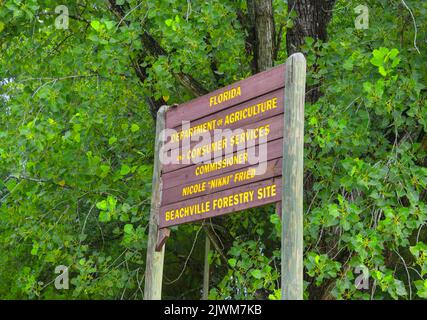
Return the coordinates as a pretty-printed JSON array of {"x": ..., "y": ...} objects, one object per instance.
[
  {"x": 214, "y": 241},
  {"x": 71, "y": 16},
  {"x": 156, "y": 50}
]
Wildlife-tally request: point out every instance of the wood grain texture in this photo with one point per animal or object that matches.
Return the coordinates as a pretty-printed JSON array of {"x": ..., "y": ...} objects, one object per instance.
[
  {"x": 162, "y": 235},
  {"x": 292, "y": 194},
  {"x": 273, "y": 168},
  {"x": 199, "y": 202},
  {"x": 154, "y": 261},
  {"x": 275, "y": 127},
  {"x": 277, "y": 94},
  {"x": 181, "y": 176},
  {"x": 251, "y": 87}
]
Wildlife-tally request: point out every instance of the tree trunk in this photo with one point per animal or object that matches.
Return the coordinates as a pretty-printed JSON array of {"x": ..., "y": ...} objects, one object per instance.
[
  {"x": 264, "y": 21},
  {"x": 261, "y": 33},
  {"x": 153, "y": 48},
  {"x": 312, "y": 21}
]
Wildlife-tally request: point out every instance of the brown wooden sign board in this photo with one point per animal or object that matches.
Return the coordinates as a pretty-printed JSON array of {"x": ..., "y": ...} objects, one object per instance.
[
  {"x": 210, "y": 173},
  {"x": 223, "y": 202},
  {"x": 250, "y": 111},
  {"x": 213, "y": 173},
  {"x": 250, "y": 135},
  {"x": 221, "y": 99},
  {"x": 204, "y": 186},
  {"x": 220, "y": 165}
]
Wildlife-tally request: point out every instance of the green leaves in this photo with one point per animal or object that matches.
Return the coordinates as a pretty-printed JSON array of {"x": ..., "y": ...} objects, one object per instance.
[
  {"x": 257, "y": 274},
  {"x": 390, "y": 284},
  {"x": 321, "y": 267},
  {"x": 421, "y": 286},
  {"x": 96, "y": 25},
  {"x": 11, "y": 184},
  {"x": 102, "y": 205},
  {"x": 100, "y": 26},
  {"x": 108, "y": 209},
  {"x": 76, "y": 119},
  {"x": 173, "y": 23},
  {"x": 249, "y": 269},
  {"x": 128, "y": 228},
  {"x": 103, "y": 32},
  {"x": 104, "y": 216},
  {"x": 112, "y": 140},
  {"x": 35, "y": 248},
  {"x": 419, "y": 251},
  {"x": 109, "y": 24},
  {"x": 124, "y": 170},
  {"x": 386, "y": 60},
  {"x": 232, "y": 262},
  {"x": 134, "y": 127},
  {"x": 105, "y": 170}
]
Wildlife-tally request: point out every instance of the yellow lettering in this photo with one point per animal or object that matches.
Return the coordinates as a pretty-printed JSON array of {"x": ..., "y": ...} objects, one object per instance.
[
  {"x": 225, "y": 96},
  {"x": 266, "y": 192},
  {"x": 192, "y": 189}
]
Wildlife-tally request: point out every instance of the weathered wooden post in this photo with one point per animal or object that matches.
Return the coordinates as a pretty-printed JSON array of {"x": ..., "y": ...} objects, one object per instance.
[
  {"x": 154, "y": 263},
  {"x": 292, "y": 179}
]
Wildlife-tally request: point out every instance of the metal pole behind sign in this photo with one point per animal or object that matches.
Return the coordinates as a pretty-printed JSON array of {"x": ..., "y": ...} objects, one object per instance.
[
  {"x": 154, "y": 263},
  {"x": 292, "y": 179},
  {"x": 206, "y": 269}
]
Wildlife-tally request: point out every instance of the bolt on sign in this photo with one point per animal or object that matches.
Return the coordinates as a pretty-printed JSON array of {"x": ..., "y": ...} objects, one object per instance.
[{"x": 223, "y": 151}]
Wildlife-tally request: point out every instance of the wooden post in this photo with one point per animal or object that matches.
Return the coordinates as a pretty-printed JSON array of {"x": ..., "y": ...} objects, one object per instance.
[
  {"x": 154, "y": 262},
  {"x": 292, "y": 179},
  {"x": 206, "y": 269}
]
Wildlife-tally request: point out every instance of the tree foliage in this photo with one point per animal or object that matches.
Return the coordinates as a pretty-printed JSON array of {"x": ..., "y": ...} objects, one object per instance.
[{"x": 77, "y": 135}]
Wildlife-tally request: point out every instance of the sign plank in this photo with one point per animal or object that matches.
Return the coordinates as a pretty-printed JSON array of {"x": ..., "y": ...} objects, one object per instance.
[
  {"x": 268, "y": 129},
  {"x": 220, "y": 165},
  {"x": 266, "y": 170},
  {"x": 236, "y": 93},
  {"x": 251, "y": 111},
  {"x": 220, "y": 203}
]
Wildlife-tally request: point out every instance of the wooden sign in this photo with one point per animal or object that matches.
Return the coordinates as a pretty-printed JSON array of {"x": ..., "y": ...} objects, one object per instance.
[
  {"x": 219, "y": 203},
  {"x": 200, "y": 186},
  {"x": 242, "y": 114},
  {"x": 266, "y": 130},
  {"x": 232, "y": 95},
  {"x": 232, "y": 162},
  {"x": 214, "y": 176},
  {"x": 236, "y": 148}
]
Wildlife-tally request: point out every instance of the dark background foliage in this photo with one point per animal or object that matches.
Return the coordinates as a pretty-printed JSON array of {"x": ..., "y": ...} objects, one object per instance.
[{"x": 77, "y": 109}]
